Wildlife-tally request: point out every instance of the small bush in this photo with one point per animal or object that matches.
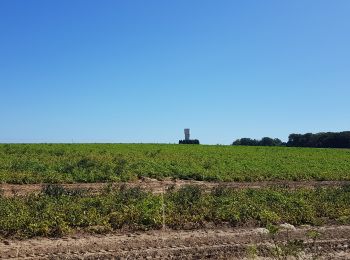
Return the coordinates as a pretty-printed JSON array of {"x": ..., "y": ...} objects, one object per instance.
[{"x": 54, "y": 190}]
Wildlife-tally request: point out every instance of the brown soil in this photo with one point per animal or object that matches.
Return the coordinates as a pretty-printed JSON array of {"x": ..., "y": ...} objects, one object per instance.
[
  {"x": 220, "y": 243},
  {"x": 157, "y": 186}
]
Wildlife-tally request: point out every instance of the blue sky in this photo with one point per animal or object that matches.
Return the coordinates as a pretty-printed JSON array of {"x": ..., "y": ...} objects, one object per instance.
[{"x": 141, "y": 71}]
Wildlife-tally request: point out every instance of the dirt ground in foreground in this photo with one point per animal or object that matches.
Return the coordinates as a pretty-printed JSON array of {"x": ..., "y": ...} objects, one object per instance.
[
  {"x": 219, "y": 243},
  {"x": 159, "y": 186}
]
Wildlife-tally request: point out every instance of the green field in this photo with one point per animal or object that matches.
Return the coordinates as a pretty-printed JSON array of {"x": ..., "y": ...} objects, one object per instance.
[
  {"x": 58, "y": 163},
  {"x": 56, "y": 212}
]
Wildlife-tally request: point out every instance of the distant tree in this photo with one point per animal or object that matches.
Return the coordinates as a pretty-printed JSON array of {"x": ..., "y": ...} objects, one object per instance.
[
  {"x": 320, "y": 140},
  {"x": 266, "y": 141},
  {"x": 248, "y": 141},
  {"x": 278, "y": 142},
  {"x": 237, "y": 142}
]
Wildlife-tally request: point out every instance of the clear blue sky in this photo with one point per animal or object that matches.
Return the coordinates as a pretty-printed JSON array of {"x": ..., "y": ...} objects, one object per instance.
[{"x": 141, "y": 71}]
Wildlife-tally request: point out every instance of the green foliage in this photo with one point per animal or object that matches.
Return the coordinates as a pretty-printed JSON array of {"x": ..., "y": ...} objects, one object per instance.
[
  {"x": 59, "y": 163},
  {"x": 265, "y": 141},
  {"x": 314, "y": 235},
  {"x": 53, "y": 190},
  {"x": 56, "y": 190},
  {"x": 273, "y": 229},
  {"x": 189, "y": 205},
  {"x": 283, "y": 250},
  {"x": 325, "y": 140},
  {"x": 56, "y": 212},
  {"x": 252, "y": 251},
  {"x": 267, "y": 217}
]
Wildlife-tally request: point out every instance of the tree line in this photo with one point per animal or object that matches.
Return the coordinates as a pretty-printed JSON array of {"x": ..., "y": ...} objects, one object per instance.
[
  {"x": 265, "y": 141},
  {"x": 318, "y": 140},
  {"x": 193, "y": 141}
]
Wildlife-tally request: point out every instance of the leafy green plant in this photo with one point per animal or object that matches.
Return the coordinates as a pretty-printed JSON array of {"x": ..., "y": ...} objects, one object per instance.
[
  {"x": 57, "y": 211},
  {"x": 314, "y": 235},
  {"x": 252, "y": 251},
  {"x": 282, "y": 250},
  {"x": 59, "y": 163}
]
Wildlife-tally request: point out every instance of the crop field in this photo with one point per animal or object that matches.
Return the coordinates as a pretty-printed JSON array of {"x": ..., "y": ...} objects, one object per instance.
[
  {"x": 56, "y": 211},
  {"x": 173, "y": 201},
  {"x": 62, "y": 163}
]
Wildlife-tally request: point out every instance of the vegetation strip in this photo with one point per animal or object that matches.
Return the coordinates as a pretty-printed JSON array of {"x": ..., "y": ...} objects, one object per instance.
[
  {"x": 57, "y": 211},
  {"x": 67, "y": 163},
  {"x": 155, "y": 186}
]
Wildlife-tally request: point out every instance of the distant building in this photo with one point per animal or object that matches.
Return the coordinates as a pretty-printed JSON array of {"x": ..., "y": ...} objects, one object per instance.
[
  {"x": 187, "y": 139},
  {"x": 187, "y": 134}
]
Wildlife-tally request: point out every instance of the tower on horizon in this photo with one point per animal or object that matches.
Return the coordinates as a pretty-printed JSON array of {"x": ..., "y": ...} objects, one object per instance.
[
  {"x": 187, "y": 139},
  {"x": 187, "y": 134}
]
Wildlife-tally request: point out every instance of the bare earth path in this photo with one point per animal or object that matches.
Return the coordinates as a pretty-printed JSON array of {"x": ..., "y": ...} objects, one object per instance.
[
  {"x": 157, "y": 186},
  {"x": 223, "y": 243}
]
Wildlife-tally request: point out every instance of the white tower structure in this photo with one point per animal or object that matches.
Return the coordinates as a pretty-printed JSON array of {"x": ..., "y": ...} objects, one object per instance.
[{"x": 187, "y": 134}]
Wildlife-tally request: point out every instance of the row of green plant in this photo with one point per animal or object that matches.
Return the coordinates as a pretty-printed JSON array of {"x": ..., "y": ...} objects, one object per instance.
[
  {"x": 56, "y": 211},
  {"x": 58, "y": 163}
]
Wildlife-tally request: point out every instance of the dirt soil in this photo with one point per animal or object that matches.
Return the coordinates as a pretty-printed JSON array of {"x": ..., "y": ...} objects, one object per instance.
[
  {"x": 219, "y": 243},
  {"x": 159, "y": 186}
]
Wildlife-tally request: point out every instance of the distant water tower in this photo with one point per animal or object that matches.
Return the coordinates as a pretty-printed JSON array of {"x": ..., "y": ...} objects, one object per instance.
[
  {"x": 187, "y": 138},
  {"x": 187, "y": 134}
]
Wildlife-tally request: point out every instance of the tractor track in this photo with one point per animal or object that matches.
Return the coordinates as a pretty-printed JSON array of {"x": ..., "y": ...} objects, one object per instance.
[
  {"x": 159, "y": 186},
  {"x": 222, "y": 243}
]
